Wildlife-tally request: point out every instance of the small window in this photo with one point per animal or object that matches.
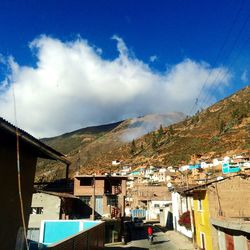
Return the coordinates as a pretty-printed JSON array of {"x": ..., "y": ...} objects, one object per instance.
[
  {"x": 86, "y": 199},
  {"x": 202, "y": 241},
  {"x": 157, "y": 205},
  {"x": 200, "y": 204},
  {"x": 87, "y": 181},
  {"x": 36, "y": 210},
  {"x": 112, "y": 200}
]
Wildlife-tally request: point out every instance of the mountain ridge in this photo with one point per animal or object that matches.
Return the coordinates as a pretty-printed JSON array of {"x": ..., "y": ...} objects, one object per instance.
[{"x": 222, "y": 128}]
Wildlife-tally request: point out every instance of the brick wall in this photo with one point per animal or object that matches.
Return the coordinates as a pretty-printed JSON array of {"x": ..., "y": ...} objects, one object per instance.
[
  {"x": 230, "y": 198},
  {"x": 88, "y": 190}
]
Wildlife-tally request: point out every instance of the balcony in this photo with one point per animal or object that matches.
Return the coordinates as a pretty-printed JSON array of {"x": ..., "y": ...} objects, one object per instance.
[{"x": 113, "y": 190}]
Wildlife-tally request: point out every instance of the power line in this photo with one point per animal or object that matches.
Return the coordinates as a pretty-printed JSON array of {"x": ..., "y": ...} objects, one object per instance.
[
  {"x": 213, "y": 88},
  {"x": 217, "y": 57}
]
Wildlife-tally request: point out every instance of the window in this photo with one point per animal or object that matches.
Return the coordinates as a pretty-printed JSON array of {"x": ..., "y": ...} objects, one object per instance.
[
  {"x": 112, "y": 200},
  {"x": 200, "y": 205},
  {"x": 202, "y": 241},
  {"x": 86, "y": 199},
  {"x": 157, "y": 205},
  {"x": 87, "y": 181},
  {"x": 36, "y": 210}
]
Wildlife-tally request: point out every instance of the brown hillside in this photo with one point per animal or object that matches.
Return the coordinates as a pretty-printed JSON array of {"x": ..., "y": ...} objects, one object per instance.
[{"x": 223, "y": 128}]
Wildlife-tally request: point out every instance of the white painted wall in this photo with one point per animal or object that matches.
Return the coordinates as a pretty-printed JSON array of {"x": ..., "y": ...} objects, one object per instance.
[
  {"x": 179, "y": 206},
  {"x": 154, "y": 208}
]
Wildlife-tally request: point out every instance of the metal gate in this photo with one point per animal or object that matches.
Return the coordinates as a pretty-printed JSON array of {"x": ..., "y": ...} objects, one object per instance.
[{"x": 99, "y": 205}]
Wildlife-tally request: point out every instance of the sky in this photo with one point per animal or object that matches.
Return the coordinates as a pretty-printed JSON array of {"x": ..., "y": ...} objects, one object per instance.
[{"x": 65, "y": 65}]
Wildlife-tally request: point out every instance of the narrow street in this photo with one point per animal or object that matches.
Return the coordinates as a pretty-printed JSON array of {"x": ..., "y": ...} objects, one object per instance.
[{"x": 140, "y": 241}]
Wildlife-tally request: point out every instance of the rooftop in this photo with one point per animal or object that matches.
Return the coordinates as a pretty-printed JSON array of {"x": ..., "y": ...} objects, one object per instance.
[{"x": 43, "y": 150}]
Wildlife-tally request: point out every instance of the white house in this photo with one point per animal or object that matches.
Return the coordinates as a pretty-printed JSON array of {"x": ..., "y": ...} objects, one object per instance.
[
  {"x": 181, "y": 204},
  {"x": 205, "y": 164},
  {"x": 116, "y": 163},
  {"x": 184, "y": 168},
  {"x": 154, "y": 208}
]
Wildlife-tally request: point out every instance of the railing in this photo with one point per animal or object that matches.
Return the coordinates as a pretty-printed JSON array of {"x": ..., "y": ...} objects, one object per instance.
[
  {"x": 114, "y": 190},
  {"x": 91, "y": 239}
]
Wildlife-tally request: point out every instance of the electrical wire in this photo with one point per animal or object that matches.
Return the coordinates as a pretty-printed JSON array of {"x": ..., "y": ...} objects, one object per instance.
[
  {"x": 217, "y": 57},
  {"x": 19, "y": 183},
  {"x": 217, "y": 79}
]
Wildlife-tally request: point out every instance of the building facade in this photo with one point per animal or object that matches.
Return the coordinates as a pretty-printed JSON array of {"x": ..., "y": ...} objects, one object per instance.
[
  {"x": 106, "y": 194},
  {"x": 28, "y": 151}
]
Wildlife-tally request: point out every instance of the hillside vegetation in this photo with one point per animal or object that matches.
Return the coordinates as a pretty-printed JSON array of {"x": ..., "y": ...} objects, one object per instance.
[{"x": 223, "y": 128}]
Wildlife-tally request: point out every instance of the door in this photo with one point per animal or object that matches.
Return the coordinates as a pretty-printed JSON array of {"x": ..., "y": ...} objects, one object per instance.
[
  {"x": 229, "y": 241},
  {"x": 99, "y": 205}
]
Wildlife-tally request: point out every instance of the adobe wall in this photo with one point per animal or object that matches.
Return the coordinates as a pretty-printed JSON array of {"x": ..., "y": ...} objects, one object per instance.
[{"x": 231, "y": 197}]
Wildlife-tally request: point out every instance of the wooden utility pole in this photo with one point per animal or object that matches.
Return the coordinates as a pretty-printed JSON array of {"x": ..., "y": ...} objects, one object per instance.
[{"x": 93, "y": 209}]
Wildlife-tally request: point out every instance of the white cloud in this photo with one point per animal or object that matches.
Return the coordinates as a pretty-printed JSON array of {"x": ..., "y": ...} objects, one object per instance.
[
  {"x": 153, "y": 58},
  {"x": 244, "y": 76},
  {"x": 72, "y": 86}
]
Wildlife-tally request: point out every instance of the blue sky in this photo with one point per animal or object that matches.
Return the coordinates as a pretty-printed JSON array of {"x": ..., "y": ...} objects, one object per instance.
[{"x": 158, "y": 34}]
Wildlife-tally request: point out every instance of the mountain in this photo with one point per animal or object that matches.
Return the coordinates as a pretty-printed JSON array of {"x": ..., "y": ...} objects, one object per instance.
[
  {"x": 92, "y": 147},
  {"x": 222, "y": 129}
]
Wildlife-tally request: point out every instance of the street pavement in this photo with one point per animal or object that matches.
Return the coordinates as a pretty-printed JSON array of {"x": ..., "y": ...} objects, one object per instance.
[{"x": 140, "y": 241}]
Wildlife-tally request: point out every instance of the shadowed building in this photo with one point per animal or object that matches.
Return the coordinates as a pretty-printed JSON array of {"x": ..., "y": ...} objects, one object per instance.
[
  {"x": 30, "y": 149},
  {"x": 103, "y": 192}
]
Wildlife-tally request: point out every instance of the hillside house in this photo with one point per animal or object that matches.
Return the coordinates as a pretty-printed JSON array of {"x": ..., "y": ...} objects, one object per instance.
[
  {"x": 30, "y": 149},
  {"x": 106, "y": 194}
]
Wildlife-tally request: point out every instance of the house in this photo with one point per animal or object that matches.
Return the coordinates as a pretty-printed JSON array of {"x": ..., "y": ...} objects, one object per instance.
[
  {"x": 116, "y": 163},
  {"x": 125, "y": 171},
  {"x": 221, "y": 215},
  {"x": 142, "y": 194},
  {"x": 230, "y": 213},
  {"x": 155, "y": 206},
  {"x": 19, "y": 152},
  {"x": 106, "y": 194},
  {"x": 53, "y": 206},
  {"x": 181, "y": 205}
]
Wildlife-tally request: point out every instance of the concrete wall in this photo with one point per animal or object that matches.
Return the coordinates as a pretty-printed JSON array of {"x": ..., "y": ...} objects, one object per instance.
[
  {"x": 10, "y": 215},
  {"x": 154, "y": 209},
  {"x": 51, "y": 209}
]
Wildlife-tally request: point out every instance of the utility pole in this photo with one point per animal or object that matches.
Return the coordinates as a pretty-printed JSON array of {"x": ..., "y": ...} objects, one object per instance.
[{"x": 93, "y": 209}]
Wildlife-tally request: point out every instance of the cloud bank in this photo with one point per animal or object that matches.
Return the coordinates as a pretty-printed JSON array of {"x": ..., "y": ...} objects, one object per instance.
[{"x": 73, "y": 86}]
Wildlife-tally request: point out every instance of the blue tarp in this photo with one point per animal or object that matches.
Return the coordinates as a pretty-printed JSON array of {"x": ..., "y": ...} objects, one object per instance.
[{"x": 194, "y": 166}]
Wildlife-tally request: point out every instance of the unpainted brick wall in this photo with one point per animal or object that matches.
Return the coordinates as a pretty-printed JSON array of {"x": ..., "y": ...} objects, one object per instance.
[{"x": 230, "y": 198}]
